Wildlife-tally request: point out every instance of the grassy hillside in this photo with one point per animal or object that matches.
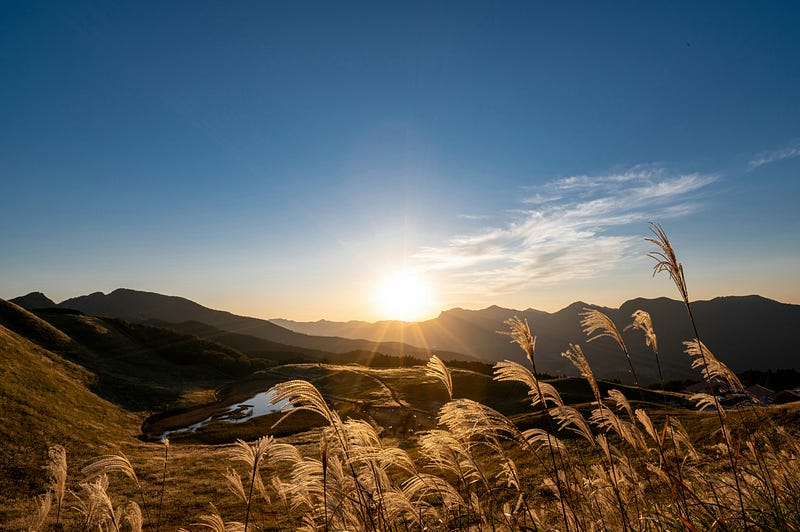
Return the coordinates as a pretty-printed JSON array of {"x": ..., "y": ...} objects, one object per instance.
[
  {"x": 145, "y": 368},
  {"x": 49, "y": 403},
  {"x": 44, "y": 400},
  {"x": 248, "y": 344},
  {"x": 30, "y": 326},
  {"x": 271, "y": 353}
]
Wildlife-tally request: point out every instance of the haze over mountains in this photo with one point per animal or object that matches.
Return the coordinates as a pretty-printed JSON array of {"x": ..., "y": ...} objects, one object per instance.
[{"x": 746, "y": 332}]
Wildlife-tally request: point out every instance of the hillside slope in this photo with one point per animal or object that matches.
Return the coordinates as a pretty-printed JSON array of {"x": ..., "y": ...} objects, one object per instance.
[
  {"x": 248, "y": 344},
  {"x": 144, "y": 368},
  {"x": 141, "y": 306},
  {"x": 138, "y": 367},
  {"x": 45, "y": 400}
]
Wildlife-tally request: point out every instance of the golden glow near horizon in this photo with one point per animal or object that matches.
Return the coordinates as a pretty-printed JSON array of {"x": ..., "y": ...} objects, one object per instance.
[{"x": 404, "y": 296}]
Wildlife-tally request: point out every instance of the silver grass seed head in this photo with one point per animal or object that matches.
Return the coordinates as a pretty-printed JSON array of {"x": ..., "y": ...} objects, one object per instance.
[
  {"x": 643, "y": 322},
  {"x": 520, "y": 333},
  {"x": 665, "y": 258},
  {"x": 57, "y": 471},
  {"x": 593, "y": 321},
  {"x": 133, "y": 515},
  {"x": 111, "y": 463},
  {"x": 437, "y": 369},
  {"x": 575, "y": 355}
]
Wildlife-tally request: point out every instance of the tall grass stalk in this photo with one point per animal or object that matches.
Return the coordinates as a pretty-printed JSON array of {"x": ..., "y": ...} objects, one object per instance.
[
  {"x": 165, "y": 443},
  {"x": 643, "y": 322},
  {"x": 252, "y": 455},
  {"x": 667, "y": 261},
  {"x": 57, "y": 474},
  {"x": 119, "y": 463},
  {"x": 520, "y": 333}
]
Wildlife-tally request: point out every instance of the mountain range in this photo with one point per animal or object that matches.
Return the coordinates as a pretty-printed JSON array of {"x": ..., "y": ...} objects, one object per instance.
[
  {"x": 746, "y": 332},
  {"x": 139, "y": 306}
]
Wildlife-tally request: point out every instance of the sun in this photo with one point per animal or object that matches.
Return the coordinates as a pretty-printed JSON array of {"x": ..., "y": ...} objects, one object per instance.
[{"x": 403, "y": 296}]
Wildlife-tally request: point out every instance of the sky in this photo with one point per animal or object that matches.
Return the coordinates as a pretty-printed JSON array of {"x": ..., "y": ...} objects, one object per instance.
[{"x": 285, "y": 159}]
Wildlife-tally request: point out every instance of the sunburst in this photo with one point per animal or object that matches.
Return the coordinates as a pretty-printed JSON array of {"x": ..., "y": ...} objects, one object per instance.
[{"x": 403, "y": 295}]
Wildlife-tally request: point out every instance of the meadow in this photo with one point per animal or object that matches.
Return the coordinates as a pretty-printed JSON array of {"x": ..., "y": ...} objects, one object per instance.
[{"x": 432, "y": 448}]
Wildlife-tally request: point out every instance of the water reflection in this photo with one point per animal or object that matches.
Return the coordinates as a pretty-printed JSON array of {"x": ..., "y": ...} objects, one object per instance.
[{"x": 258, "y": 405}]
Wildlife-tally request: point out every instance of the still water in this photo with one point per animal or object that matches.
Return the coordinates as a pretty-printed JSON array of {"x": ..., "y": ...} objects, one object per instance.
[{"x": 255, "y": 406}]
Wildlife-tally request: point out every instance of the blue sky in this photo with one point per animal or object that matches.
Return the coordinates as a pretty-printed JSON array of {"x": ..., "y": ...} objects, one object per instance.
[{"x": 280, "y": 159}]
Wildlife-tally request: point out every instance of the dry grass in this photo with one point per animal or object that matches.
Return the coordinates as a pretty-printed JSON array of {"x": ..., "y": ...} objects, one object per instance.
[{"x": 611, "y": 463}]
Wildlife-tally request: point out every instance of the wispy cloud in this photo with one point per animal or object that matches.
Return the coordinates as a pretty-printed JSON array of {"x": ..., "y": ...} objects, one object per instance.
[
  {"x": 767, "y": 157},
  {"x": 562, "y": 235},
  {"x": 539, "y": 198},
  {"x": 474, "y": 216}
]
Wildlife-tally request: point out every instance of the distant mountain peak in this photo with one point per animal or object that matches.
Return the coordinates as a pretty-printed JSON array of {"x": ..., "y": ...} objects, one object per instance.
[
  {"x": 33, "y": 300},
  {"x": 141, "y": 293},
  {"x": 124, "y": 291},
  {"x": 750, "y": 297},
  {"x": 577, "y": 306}
]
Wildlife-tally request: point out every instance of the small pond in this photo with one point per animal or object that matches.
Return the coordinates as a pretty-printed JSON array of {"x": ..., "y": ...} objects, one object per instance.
[{"x": 257, "y": 405}]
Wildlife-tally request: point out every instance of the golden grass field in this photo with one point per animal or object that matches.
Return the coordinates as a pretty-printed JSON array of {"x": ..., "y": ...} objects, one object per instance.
[{"x": 422, "y": 448}]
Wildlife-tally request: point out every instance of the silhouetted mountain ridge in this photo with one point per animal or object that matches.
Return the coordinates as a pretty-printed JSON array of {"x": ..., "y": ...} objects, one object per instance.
[
  {"x": 743, "y": 331},
  {"x": 33, "y": 300},
  {"x": 137, "y": 305}
]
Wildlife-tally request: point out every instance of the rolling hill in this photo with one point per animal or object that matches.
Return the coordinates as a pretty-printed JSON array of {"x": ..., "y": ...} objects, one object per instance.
[
  {"x": 46, "y": 399},
  {"x": 135, "y": 305},
  {"x": 137, "y": 367},
  {"x": 275, "y": 353}
]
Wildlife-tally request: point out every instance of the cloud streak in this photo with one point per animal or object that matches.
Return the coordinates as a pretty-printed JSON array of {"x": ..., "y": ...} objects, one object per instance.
[
  {"x": 773, "y": 156},
  {"x": 563, "y": 234},
  {"x": 474, "y": 216}
]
